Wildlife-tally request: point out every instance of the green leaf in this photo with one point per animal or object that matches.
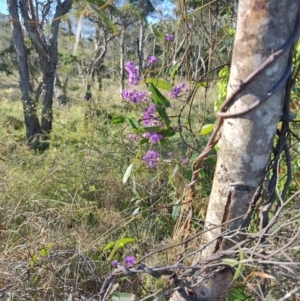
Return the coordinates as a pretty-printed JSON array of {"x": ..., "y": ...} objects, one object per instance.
[
  {"x": 123, "y": 297},
  {"x": 188, "y": 174},
  {"x": 133, "y": 122},
  {"x": 123, "y": 241},
  {"x": 118, "y": 120},
  {"x": 194, "y": 157},
  {"x": 163, "y": 115},
  {"x": 240, "y": 266},
  {"x": 206, "y": 129},
  {"x": 230, "y": 261},
  {"x": 158, "y": 98},
  {"x": 176, "y": 210},
  {"x": 33, "y": 259},
  {"x": 174, "y": 172},
  {"x": 136, "y": 211},
  {"x": 109, "y": 246},
  {"x": 173, "y": 70},
  {"x": 35, "y": 279},
  {"x": 127, "y": 173},
  {"x": 224, "y": 72},
  {"x": 241, "y": 254},
  {"x": 46, "y": 250},
  {"x": 150, "y": 129},
  {"x": 105, "y": 19},
  {"x": 43, "y": 252},
  {"x": 202, "y": 84},
  {"x": 137, "y": 202},
  {"x": 169, "y": 132},
  {"x": 144, "y": 140},
  {"x": 156, "y": 32},
  {"x": 159, "y": 83}
]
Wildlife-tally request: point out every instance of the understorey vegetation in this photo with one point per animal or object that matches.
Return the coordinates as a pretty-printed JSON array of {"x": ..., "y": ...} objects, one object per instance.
[{"x": 145, "y": 165}]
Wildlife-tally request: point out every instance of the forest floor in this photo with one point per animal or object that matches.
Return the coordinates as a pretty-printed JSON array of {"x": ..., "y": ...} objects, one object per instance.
[{"x": 65, "y": 212}]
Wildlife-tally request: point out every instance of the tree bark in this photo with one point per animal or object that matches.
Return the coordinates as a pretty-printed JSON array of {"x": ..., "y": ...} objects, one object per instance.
[
  {"x": 121, "y": 62},
  {"x": 60, "y": 91},
  {"x": 31, "y": 120},
  {"x": 246, "y": 142},
  {"x": 49, "y": 72},
  {"x": 263, "y": 26},
  {"x": 47, "y": 54},
  {"x": 141, "y": 46}
]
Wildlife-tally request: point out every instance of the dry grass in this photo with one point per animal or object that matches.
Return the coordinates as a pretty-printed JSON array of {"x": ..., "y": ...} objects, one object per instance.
[{"x": 62, "y": 207}]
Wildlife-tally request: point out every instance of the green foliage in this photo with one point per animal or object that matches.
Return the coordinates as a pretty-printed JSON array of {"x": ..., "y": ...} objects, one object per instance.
[
  {"x": 67, "y": 58},
  {"x": 116, "y": 246},
  {"x": 157, "y": 33},
  {"x": 127, "y": 173},
  {"x": 159, "y": 83},
  {"x": 45, "y": 251},
  {"x": 173, "y": 70},
  {"x": 103, "y": 16},
  {"x": 222, "y": 87},
  {"x": 122, "y": 297},
  {"x": 239, "y": 293},
  {"x": 206, "y": 129},
  {"x": 90, "y": 197}
]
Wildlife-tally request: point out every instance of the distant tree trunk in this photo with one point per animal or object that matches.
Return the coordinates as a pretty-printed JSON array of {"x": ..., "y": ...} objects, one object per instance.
[
  {"x": 31, "y": 120},
  {"x": 94, "y": 72},
  {"x": 60, "y": 91},
  {"x": 99, "y": 75},
  {"x": 121, "y": 62},
  {"x": 47, "y": 53},
  {"x": 245, "y": 146},
  {"x": 49, "y": 73},
  {"x": 141, "y": 46},
  {"x": 95, "y": 65}
]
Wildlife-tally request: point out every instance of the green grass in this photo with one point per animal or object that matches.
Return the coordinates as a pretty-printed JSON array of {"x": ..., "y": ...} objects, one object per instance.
[
  {"x": 64, "y": 210},
  {"x": 61, "y": 207}
]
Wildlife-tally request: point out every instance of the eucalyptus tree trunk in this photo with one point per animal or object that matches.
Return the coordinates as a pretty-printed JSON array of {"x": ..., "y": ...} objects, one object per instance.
[
  {"x": 141, "y": 46},
  {"x": 47, "y": 51},
  {"x": 263, "y": 26},
  {"x": 121, "y": 62},
  {"x": 141, "y": 36},
  {"x": 31, "y": 120},
  {"x": 49, "y": 72}
]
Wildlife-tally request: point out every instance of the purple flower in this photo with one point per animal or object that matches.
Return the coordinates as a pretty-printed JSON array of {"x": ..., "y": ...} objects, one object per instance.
[
  {"x": 154, "y": 137},
  {"x": 132, "y": 137},
  {"x": 134, "y": 96},
  {"x": 115, "y": 263},
  {"x": 151, "y": 158},
  {"x": 148, "y": 115},
  {"x": 133, "y": 74},
  {"x": 149, "y": 118},
  {"x": 129, "y": 261},
  {"x": 169, "y": 37},
  {"x": 152, "y": 60},
  {"x": 185, "y": 160},
  {"x": 177, "y": 90},
  {"x": 170, "y": 154}
]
